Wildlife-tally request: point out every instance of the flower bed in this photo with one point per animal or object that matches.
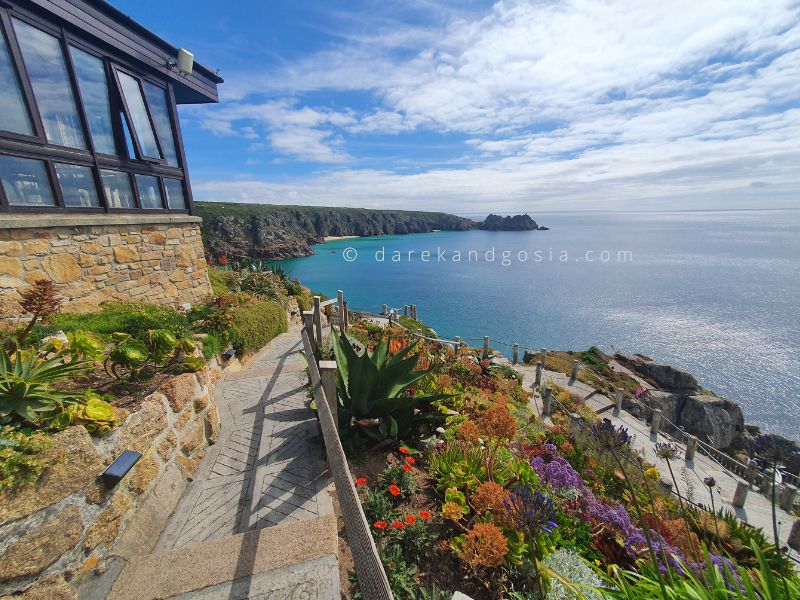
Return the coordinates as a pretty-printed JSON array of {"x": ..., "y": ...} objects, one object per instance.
[{"x": 471, "y": 492}]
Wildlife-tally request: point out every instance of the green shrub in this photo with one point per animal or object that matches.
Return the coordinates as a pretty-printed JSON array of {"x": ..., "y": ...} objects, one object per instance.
[
  {"x": 221, "y": 281},
  {"x": 22, "y": 456},
  {"x": 255, "y": 324},
  {"x": 305, "y": 300},
  {"x": 212, "y": 346},
  {"x": 132, "y": 318},
  {"x": 263, "y": 284}
]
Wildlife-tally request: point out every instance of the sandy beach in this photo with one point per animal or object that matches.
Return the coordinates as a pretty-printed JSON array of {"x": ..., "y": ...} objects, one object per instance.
[{"x": 331, "y": 238}]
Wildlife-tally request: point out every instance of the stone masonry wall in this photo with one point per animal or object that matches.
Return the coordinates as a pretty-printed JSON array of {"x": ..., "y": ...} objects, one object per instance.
[
  {"x": 95, "y": 258},
  {"x": 67, "y": 536}
]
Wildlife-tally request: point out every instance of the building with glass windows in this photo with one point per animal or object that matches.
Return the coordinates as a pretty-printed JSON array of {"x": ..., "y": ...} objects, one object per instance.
[{"x": 95, "y": 192}]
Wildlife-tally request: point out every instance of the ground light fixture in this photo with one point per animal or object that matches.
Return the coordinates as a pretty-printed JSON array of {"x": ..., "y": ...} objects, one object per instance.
[{"x": 119, "y": 468}]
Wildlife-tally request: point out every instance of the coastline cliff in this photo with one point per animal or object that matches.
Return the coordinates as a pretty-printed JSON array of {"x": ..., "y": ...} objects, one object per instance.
[{"x": 267, "y": 232}]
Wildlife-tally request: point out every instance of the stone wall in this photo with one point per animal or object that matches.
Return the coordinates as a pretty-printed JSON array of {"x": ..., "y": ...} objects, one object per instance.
[
  {"x": 67, "y": 536},
  {"x": 92, "y": 258}
]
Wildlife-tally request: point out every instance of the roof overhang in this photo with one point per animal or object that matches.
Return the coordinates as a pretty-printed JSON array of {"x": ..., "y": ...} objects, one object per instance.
[{"x": 101, "y": 23}]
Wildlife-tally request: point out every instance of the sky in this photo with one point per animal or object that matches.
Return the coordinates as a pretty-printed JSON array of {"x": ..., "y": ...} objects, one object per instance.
[{"x": 471, "y": 107}]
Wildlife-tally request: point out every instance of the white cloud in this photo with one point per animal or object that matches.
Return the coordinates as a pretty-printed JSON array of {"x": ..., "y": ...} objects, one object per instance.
[{"x": 585, "y": 103}]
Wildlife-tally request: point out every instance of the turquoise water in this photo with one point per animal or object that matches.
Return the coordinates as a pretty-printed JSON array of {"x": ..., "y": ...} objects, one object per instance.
[{"x": 714, "y": 293}]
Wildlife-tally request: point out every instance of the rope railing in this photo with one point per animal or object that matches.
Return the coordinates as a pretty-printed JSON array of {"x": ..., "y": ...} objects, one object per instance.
[{"x": 372, "y": 578}]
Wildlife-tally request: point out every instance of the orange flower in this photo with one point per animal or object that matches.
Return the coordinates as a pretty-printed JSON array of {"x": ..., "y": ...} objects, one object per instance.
[
  {"x": 410, "y": 460},
  {"x": 406, "y": 468},
  {"x": 380, "y": 525},
  {"x": 394, "y": 490},
  {"x": 424, "y": 515},
  {"x": 403, "y": 451},
  {"x": 398, "y": 525},
  {"x": 410, "y": 519},
  {"x": 361, "y": 481}
]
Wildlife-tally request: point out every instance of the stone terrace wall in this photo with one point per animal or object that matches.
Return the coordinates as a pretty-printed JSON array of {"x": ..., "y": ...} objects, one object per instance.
[
  {"x": 92, "y": 258},
  {"x": 67, "y": 536}
]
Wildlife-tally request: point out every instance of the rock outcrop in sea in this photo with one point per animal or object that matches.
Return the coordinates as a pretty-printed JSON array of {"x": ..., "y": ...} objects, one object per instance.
[
  {"x": 516, "y": 223},
  {"x": 713, "y": 419}
]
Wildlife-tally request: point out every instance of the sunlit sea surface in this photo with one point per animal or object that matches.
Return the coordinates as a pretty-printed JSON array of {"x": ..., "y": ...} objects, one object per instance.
[{"x": 715, "y": 293}]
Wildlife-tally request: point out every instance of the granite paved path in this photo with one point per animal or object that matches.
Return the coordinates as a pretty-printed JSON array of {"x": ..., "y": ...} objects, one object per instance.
[{"x": 268, "y": 467}]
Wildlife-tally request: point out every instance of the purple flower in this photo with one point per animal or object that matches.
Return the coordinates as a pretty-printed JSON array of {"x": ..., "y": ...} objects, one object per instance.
[
  {"x": 558, "y": 474},
  {"x": 531, "y": 512},
  {"x": 610, "y": 437}
]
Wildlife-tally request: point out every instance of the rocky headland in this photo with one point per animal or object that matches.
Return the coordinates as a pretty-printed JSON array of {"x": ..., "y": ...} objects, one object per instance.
[
  {"x": 516, "y": 223},
  {"x": 267, "y": 232}
]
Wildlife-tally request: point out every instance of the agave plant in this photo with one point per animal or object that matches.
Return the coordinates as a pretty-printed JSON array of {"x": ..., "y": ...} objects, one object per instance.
[
  {"x": 26, "y": 387},
  {"x": 372, "y": 388}
]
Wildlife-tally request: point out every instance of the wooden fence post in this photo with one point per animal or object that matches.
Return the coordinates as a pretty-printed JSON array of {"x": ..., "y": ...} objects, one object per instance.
[
  {"x": 538, "y": 373},
  {"x": 308, "y": 325},
  {"x": 547, "y": 402},
  {"x": 655, "y": 424},
  {"x": 486, "y": 346},
  {"x": 346, "y": 316},
  {"x": 691, "y": 447},
  {"x": 405, "y": 310},
  {"x": 318, "y": 322},
  {"x": 787, "y": 497},
  {"x": 414, "y": 311},
  {"x": 458, "y": 345},
  {"x": 618, "y": 395},
  {"x": 384, "y": 309},
  {"x": 340, "y": 305},
  {"x": 544, "y": 358},
  {"x": 575, "y": 366},
  {"x": 740, "y": 495},
  {"x": 327, "y": 373},
  {"x": 515, "y": 354}
]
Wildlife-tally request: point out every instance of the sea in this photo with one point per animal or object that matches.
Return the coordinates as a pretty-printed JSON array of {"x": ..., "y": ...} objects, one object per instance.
[{"x": 712, "y": 292}]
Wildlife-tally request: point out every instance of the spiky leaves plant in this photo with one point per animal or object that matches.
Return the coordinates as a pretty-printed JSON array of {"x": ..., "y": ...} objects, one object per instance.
[
  {"x": 372, "y": 388},
  {"x": 26, "y": 387}
]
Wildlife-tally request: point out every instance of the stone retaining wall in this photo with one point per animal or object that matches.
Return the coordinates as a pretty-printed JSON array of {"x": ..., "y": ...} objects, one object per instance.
[
  {"x": 92, "y": 258},
  {"x": 67, "y": 536}
]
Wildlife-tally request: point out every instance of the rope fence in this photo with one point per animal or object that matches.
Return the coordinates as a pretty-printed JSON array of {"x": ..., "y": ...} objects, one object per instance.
[
  {"x": 674, "y": 432},
  {"x": 372, "y": 578}
]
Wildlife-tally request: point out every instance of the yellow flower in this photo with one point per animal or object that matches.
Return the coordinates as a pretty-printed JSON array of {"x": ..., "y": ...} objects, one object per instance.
[{"x": 652, "y": 473}]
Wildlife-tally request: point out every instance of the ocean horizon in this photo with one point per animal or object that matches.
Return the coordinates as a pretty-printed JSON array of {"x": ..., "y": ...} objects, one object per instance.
[{"x": 711, "y": 292}]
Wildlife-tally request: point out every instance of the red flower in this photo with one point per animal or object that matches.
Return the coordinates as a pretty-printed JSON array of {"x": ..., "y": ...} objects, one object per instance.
[
  {"x": 403, "y": 451},
  {"x": 424, "y": 515},
  {"x": 398, "y": 525},
  {"x": 410, "y": 519},
  {"x": 406, "y": 468},
  {"x": 380, "y": 525},
  {"x": 410, "y": 460},
  {"x": 361, "y": 481},
  {"x": 394, "y": 490}
]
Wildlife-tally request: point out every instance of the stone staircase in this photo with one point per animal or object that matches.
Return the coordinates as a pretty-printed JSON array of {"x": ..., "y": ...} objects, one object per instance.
[{"x": 257, "y": 521}]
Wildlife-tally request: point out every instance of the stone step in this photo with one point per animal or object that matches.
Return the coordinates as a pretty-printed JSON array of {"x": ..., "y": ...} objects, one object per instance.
[{"x": 295, "y": 560}]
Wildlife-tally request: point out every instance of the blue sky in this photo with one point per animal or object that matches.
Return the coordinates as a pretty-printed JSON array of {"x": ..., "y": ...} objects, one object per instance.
[{"x": 473, "y": 107}]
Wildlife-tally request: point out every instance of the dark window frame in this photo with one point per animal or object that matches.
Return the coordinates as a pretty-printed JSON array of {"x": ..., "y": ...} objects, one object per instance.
[{"x": 37, "y": 146}]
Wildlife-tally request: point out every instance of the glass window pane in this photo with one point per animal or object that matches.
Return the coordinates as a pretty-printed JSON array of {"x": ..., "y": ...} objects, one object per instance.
[
  {"x": 138, "y": 112},
  {"x": 77, "y": 185},
  {"x": 149, "y": 192},
  {"x": 25, "y": 182},
  {"x": 51, "y": 88},
  {"x": 94, "y": 92},
  {"x": 175, "y": 196},
  {"x": 157, "y": 99},
  {"x": 13, "y": 114},
  {"x": 117, "y": 186}
]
